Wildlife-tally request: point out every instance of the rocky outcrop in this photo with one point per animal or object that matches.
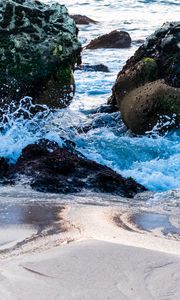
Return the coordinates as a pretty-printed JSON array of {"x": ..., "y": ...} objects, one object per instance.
[
  {"x": 83, "y": 20},
  {"x": 38, "y": 51},
  {"x": 114, "y": 39},
  {"x": 148, "y": 87},
  {"x": 50, "y": 168}
]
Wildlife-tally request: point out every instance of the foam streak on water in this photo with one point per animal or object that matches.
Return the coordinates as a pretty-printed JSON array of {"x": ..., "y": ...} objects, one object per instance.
[{"x": 152, "y": 160}]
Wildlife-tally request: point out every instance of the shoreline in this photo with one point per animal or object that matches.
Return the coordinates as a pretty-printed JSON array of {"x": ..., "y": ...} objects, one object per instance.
[{"x": 56, "y": 224}]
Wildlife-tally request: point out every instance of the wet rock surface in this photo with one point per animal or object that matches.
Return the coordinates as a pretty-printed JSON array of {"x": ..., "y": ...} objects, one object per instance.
[
  {"x": 157, "y": 62},
  {"x": 38, "y": 51},
  {"x": 82, "y": 20},
  {"x": 114, "y": 39},
  {"x": 50, "y": 168}
]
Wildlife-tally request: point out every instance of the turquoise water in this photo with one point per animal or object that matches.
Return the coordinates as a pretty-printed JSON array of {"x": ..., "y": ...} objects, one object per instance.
[{"x": 152, "y": 160}]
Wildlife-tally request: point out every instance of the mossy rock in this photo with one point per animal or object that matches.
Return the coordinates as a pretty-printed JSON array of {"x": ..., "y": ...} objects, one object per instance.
[
  {"x": 38, "y": 45},
  {"x": 150, "y": 104},
  {"x": 142, "y": 72},
  {"x": 147, "y": 88}
]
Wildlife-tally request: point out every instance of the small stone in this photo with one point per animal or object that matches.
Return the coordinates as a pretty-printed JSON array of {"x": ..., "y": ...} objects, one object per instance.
[
  {"x": 83, "y": 20},
  {"x": 114, "y": 39}
]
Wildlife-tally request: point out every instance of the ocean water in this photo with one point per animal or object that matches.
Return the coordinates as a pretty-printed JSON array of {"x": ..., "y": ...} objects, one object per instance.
[{"x": 153, "y": 160}]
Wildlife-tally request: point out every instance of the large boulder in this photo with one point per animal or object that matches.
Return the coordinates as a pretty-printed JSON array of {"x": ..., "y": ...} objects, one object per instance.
[
  {"x": 114, "y": 39},
  {"x": 147, "y": 90},
  {"x": 50, "y": 168},
  {"x": 38, "y": 51}
]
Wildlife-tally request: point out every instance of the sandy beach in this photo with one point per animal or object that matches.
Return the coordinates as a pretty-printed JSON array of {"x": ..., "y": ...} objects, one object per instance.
[
  {"x": 100, "y": 254},
  {"x": 92, "y": 270}
]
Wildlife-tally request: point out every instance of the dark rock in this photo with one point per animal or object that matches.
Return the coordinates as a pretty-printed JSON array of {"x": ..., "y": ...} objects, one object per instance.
[
  {"x": 114, "y": 39},
  {"x": 83, "y": 20},
  {"x": 51, "y": 168},
  {"x": 139, "y": 41},
  {"x": 148, "y": 87},
  {"x": 38, "y": 51},
  {"x": 93, "y": 68},
  {"x": 105, "y": 108},
  {"x": 4, "y": 167}
]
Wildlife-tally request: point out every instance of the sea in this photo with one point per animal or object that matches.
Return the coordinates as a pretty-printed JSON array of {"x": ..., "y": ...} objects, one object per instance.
[{"x": 152, "y": 159}]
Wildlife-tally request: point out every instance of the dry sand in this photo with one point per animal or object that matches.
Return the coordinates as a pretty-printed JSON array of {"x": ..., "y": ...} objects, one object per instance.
[{"x": 102, "y": 255}]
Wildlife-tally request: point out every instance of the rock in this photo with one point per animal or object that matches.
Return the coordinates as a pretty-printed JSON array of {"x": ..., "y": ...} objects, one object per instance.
[
  {"x": 38, "y": 51},
  {"x": 4, "y": 167},
  {"x": 83, "y": 20},
  {"x": 134, "y": 76},
  {"x": 139, "y": 41},
  {"x": 104, "y": 108},
  {"x": 114, "y": 39},
  {"x": 149, "y": 102},
  {"x": 54, "y": 169},
  {"x": 148, "y": 87},
  {"x": 93, "y": 68}
]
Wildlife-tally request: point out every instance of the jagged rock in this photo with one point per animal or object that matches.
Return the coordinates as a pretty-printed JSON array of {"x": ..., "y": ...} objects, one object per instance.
[
  {"x": 114, "y": 39},
  {"x": 157, "y": 61},
  {"x": 51, "y": 168},
  {"x": 82, "y": 20},
  {"x": 38, "y": 51}
]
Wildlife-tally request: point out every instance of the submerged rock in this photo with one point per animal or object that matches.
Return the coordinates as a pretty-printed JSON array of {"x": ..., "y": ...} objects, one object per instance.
[
  {"x": 93, "y": 68},
  {"x": 83, "y": 20},
  {"x": 114, "y": 39},
  {"x": 100, "y": 120},
  {"x": 38, "y": 51},
  {"x": 54, "y": 169},
  {"x": 148, "y": 87},
  {"x": 104, "y": 108}
]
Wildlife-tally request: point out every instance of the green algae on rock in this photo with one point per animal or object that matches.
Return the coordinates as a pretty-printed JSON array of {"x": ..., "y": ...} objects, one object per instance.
[
  {"x": 148, "y": 87},
  {"x": 38, "y": 51}
]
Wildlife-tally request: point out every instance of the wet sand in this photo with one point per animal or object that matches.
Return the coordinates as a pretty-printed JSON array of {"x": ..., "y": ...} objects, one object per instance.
[
  {"x": 78, "y": 251},
  {"x": 25, "y": 223},
  {"x": 10, "y": 236}
]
